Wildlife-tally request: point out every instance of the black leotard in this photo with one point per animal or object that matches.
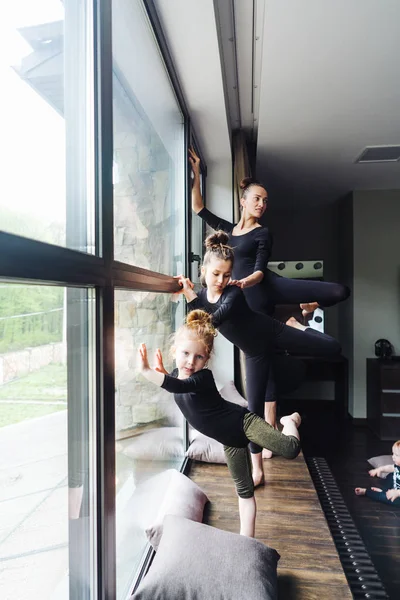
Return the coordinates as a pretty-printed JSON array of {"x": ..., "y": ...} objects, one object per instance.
[
  {"x": 252, "y": 249},
  {"x": 204, "y": 408},
  {"x": 252, "y": 253}
]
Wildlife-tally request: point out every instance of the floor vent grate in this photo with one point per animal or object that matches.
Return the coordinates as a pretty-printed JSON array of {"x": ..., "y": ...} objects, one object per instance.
[{"x": 359, "y": 569}]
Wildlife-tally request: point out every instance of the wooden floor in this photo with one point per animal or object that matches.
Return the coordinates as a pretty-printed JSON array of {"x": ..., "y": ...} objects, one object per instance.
[{"x": 289, "y": 519}]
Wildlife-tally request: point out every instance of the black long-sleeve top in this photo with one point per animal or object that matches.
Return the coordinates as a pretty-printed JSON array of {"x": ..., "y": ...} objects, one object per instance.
[
  {"x": 204, "y": 408},
  {"x": 252, "y": 249},
  {"x": 254, "y": 333},
  {"x": 252, "y": 252}
]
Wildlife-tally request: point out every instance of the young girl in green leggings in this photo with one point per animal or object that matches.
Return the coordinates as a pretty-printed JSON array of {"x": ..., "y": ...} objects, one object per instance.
[{"x": 204, "y": 408}]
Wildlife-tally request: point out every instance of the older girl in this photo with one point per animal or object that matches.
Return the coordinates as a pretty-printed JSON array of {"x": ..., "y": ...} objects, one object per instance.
[
  {"x": 256, "y": 334},
  {"x": 204, "y": 408}
]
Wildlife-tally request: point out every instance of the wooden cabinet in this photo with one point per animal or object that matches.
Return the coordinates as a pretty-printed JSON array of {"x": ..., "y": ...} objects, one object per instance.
[{"x": 383, "y": 397}]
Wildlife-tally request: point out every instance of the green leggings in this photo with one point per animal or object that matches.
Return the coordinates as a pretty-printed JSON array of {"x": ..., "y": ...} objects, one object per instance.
[{"x": 260, "y": 432}]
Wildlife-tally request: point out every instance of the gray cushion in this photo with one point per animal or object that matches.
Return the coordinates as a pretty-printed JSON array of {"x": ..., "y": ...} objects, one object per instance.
[
  {"x": 380, "y": 461},
  {"x": 198, "y": 562}
]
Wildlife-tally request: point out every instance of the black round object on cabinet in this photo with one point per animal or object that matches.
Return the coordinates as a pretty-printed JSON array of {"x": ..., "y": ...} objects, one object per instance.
[{"x": 383, "y": 348}]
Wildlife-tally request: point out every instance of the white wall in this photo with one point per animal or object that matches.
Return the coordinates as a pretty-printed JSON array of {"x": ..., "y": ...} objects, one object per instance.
[
  {"x": 376, "y": 289},
  {"x": 219, "y": 200}
]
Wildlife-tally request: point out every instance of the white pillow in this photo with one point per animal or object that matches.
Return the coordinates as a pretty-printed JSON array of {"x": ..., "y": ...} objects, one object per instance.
[
  {"x": 183, "y": 498},
  {"x": 230, "y": 393},
  {"x": 381, "y": 461},
  {"x": 205, "y": 449},
  {"x": 162, "y": 443},
  {"x": 167, "y": 493}
]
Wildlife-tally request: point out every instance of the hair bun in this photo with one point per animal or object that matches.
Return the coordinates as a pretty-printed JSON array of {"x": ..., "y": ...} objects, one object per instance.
[
  {"x": 198, "y": 318},
  {"x": 216, "y": 239},
  {"x": 246, "y": 182}
]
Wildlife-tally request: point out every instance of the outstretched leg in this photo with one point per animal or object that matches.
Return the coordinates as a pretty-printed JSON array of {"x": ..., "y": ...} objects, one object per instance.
[
  {"x": 285, "y": 443},
  {"x": 299, "y": 339},
  {"x": 295, "y": 291},
  {"x": 377, "y": 494}
]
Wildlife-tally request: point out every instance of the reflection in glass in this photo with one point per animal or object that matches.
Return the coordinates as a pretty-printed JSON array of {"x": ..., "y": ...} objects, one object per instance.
[
  {"x": 149, "y": 426},
  {"x": 148, "y": 149},
  {"x": 47, "y": 190},
  {"x": 46, "y": 491}
]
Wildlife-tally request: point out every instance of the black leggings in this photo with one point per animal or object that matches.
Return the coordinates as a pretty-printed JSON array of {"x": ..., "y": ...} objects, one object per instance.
[
  {"x": 276, "y": 289},
  {"x": 258, "y": 366},
  {"x": 386, "y": 484},
  {"x": 284, "y": 290}
]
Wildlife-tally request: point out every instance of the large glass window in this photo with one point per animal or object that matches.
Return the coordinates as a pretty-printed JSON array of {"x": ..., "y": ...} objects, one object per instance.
[
  {"x": 149, "y": 426},
  {"x": 45, "y": 110},
  {"x": 47, "y": 440},
  {"x": 78, "y": 473},
  {"x": 149, "y": 159}
]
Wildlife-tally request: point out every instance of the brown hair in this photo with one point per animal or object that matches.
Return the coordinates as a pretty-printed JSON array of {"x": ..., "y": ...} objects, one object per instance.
[
  {"x": 200, "y": 323},
  {"x": 216, "y": 246},
  {"x": 247, "y": 183},
  {"x": 396, "y": 445}
]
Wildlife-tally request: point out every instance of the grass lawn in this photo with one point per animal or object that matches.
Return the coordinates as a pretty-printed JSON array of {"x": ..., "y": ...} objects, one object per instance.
[
  {"x": 48, "y": 383},
  {"x": 45, "y": 385}
]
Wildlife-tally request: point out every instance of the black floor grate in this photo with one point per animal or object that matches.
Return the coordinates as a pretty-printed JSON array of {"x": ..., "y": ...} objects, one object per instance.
[{"x": 359, "y": 569}]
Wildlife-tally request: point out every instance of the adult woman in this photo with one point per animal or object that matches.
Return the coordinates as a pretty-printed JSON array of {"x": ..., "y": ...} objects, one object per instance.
[
  {"x": 256, "y": 334},
  {"x": 252, "y": 244}
]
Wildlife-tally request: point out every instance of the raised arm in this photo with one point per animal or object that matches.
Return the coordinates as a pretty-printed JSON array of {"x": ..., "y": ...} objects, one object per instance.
[
  {"x": 151, "y": 374},
  {"x": 197, "y": 200}
]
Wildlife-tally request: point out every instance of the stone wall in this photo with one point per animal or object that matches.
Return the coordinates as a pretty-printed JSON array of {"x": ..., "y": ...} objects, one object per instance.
[
  {"x": 19, "y": 363},
  {"x": 146, "y": 225}
]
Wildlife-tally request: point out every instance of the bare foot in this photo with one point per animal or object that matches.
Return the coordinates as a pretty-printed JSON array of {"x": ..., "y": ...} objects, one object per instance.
[
  {"x": 258, "y": 478},
  {"x": 267, "y": 453},
  {"x": 308, "y": 308},
  {"x": 295, "y": 417},
  {"x": 292, "y": 322},
  {"x": 360, "y": 491}
]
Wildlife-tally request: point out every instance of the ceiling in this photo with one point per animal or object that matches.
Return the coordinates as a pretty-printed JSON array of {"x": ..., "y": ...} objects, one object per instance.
[
  {"x": 313, "y": 82},
  {"x": 329, "y": 87}
]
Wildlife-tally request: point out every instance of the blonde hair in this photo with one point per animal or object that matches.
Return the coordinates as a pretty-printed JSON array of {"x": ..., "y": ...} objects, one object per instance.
[
  {"x": 199, "y": 323},
  {"x": 396, "y": 445},
  {"x": 216, "y": 247}
]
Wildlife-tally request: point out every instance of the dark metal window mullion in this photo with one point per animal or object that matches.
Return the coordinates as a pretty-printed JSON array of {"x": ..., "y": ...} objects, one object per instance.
[{"x": 105, "y": 368}]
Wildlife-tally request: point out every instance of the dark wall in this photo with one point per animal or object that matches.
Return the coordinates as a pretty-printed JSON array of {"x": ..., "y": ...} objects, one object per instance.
[{"x": 308, "y": 234}]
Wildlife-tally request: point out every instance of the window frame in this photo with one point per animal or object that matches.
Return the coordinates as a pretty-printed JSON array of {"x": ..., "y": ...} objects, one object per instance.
[{"x": 54, "y": 265}]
